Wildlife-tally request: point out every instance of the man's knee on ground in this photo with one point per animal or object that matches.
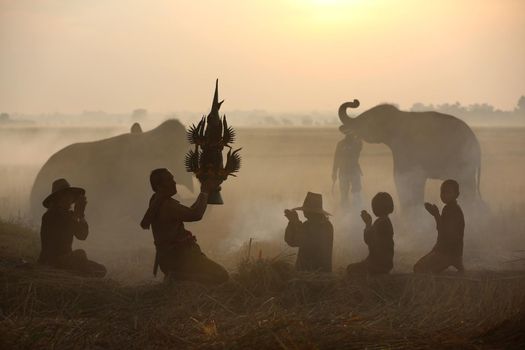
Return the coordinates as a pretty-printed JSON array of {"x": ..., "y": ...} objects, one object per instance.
[
  {"x": 79, "y": 254},
  {"x": 426, "y": 264},
  {"x": 420, "y": 267},
  {"x": 96, "y": 269},
  {"x": 218, "y": 274},
  {"x": 433, "y": 263},
  {"x": 222, "y": 276},
  {"x": 101, "y": 272},
  {"x": 356, "y": 269},
  {"x": 460, "y": 267}
]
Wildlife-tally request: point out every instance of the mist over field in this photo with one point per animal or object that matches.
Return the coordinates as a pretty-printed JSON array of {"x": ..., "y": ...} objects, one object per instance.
[{"x": 279, "y": 166}]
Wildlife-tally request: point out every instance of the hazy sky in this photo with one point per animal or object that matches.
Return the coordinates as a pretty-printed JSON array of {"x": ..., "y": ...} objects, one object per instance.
[{"x": 287, "y": 55}]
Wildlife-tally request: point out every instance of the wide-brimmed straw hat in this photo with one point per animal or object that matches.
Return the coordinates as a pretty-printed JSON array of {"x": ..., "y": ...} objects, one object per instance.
[
  {"x": 313, "y": 203},
  {"x": 60, "y": 187}
]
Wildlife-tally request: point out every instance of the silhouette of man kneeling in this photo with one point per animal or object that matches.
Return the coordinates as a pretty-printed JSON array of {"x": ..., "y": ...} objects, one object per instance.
[
  {"x": 178, "y": 254},
  {"x": 379, "y": 237},
  {"x": 60, "y": 224},
  {"x": 314, "y": 237},
  {"x": 450, "y": 225}
]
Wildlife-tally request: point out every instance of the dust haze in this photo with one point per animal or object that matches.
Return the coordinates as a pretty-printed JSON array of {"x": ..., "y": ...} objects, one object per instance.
[
  {"x": 82, "y": 72},
  {"x": 280, "y": 164}
]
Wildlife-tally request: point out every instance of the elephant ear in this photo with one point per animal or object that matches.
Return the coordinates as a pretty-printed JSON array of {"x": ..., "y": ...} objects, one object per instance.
[{"x": 345, "y": 119}]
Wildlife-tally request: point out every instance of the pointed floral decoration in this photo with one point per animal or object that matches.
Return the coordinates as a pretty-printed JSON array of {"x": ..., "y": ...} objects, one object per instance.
[{"x": 209, "y": 137}]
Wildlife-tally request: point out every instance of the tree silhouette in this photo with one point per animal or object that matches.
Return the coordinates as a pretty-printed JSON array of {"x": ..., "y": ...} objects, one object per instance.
[
  {"x": 4, "y": 117},
  {"x": 481, "y": 108},
  {"x": 520, "y": 108}
]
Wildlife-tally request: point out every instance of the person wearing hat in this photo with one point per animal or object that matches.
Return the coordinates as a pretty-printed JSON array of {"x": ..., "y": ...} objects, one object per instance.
[
  {"x": 60, "y": 225},
  {"x": 177, "y": 253},
  {"x": 379, "y": 237},
  {"x": 314, "y": 237},
  {"x": 346, "y": 167}
]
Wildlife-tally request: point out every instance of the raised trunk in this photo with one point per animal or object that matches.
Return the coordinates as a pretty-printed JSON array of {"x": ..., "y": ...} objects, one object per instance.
[{"x": 345, "y": 119}]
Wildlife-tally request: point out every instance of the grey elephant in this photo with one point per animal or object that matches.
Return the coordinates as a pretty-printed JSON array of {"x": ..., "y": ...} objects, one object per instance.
[
  {"x": 424, "y": 145},
  {"x": 115, "y": 172}
]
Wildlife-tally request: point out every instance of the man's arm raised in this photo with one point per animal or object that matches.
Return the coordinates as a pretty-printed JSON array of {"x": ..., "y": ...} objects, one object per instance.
[
  {"x": 197, "y": 209},
  {"x": 184, "y": 213}
]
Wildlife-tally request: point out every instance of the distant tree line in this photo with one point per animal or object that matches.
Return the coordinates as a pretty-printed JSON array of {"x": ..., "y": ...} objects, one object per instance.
[
  {"x": 478, "y": 112},
  {"x": 4, "y": 117},
  {"x": 474, "y": 114}
]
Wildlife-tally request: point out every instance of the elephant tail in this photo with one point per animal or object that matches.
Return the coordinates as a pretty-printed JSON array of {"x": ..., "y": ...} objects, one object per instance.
[
  {"x": 477, "y": 158},
  {"x": 478, "y": 182}
]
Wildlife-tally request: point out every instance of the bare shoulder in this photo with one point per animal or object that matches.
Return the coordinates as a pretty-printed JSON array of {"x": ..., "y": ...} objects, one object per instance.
[
  {"x": 453, "y": 209},
  {"x": 169, "y": 205},
  {"x": 170, "y": 202},
  {"x": 327, "y": 225},
  {"x": 383, "y": 220},
  {"x": 383, "y": 223}
]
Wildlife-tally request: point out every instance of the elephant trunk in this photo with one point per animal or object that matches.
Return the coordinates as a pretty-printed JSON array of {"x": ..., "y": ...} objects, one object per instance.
[{"x": 345, "y": 119}]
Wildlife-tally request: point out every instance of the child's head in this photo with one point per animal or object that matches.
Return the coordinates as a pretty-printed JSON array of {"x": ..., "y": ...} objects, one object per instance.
[
  {"x": 382, "y": 204},
  {"x": 449, "y": 191}
]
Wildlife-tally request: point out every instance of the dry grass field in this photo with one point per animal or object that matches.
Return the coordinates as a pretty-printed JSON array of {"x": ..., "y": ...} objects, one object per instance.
[{"x": 266, "y": 304}]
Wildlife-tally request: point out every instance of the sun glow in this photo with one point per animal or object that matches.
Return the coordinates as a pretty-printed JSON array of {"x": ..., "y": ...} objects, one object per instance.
[
  {"x": 334, "y": 3},
  {"x": 328, "y": 2},
  {"x": 329, "y": 15},
  {"x": 331, "y": 7}
]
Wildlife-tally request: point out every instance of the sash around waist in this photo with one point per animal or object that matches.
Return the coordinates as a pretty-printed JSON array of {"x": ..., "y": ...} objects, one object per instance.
[{"x": 179, "y": 239}]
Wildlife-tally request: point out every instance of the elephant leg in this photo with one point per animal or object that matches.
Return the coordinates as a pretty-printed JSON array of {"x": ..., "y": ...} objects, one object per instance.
[
  {"x": 469, "y": 198},
  {"x": 410, "y": 189},
  {"x": 468, "y": 188}
]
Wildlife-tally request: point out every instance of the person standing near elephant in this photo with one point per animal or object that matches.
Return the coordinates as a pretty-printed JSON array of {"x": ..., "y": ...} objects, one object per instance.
[
  {"x": 346, "y": 167},
  {"x": 450, "y": 224},
  {"x": 177, "y": 253},
  {"x": 60, "y": 224},
  {"x": 379, "y": 237},
  {"x": 424, "y": 145},
  {"x": 314, "y": 237}
]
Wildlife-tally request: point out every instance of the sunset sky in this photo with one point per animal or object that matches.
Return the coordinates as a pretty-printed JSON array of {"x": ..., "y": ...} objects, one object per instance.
[{"x": 288, "y": 55}]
